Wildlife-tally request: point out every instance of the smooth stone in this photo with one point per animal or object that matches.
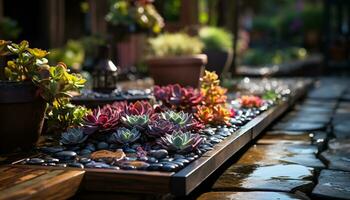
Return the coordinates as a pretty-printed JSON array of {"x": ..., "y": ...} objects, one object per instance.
[
  {"x": 179, "y": 164},
  {"x": 136, "y": 145},
  {"x": 90, "y": 147},
  {"x": 130, "y": 158},
  {"x": 284, "y": 178},
  {"x": 190, "y": 159},
  {"x": 169, "y": 167},
  {"x": 177, "y": 156},
  {"x": 49, "y": 164},
  {"x": 35, "y": 161},
  {"x": 61, "y": 165},
  {"x": 94, "y": 164},
  {"x": 102, "y": 145},
  {"x": 214, "y": 140},
  {"x": 84, "y": 160},
  {"x": 263, "y": 195},
  {"x": 338, "y": 160},
  {"x": 129, "y": 150},
  {"x": 143, "y": 158},
  {"x": 113, "y": 146},
  {"x": 85, "y": 152},
  {"x": 209, "y": 131},
  {"x": 159, "y": 154},
  {"x": 52, "y": 160},
  {"x": 166, "y": 160},
  {"x": 76, "y": 165},
  {"x": 73, "y": 148},
  {"x": 152, "y": 160},
  {"x": 133, "y": 165},
  {"x": 66, "y": 155},
  {"x": 332, "y": 185},
  {"x": 182, "y": 160},
  {"x": 52, "y": 150},
  {"x": 108, "y": 156},
  {"x": 155, "y": 166}
]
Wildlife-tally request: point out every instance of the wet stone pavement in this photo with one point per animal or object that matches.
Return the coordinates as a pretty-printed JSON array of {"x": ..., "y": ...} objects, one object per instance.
[{"x": 304, "y": 155}]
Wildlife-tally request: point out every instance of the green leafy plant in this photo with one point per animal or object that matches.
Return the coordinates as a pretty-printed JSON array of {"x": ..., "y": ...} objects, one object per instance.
[
  {"x": 175, "y": 44},
  {"x": 216, "y": 39},
  {"x": 73, "y": 54},
  {"x": 136, "y": 15},
  {"x": 55, "y": 83}
]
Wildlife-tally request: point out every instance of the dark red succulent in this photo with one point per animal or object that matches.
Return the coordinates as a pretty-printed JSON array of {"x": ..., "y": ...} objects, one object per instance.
[
  {"x": 160, "y": 127},
  {"x": 139, "y": 108},
  {"x": 177, "y": 97},
  {"x": 102, "y": 119}
]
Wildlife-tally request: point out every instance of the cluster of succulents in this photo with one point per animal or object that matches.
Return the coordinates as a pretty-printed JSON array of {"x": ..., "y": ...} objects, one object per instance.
[
  {"x": 250, "y": 101},
  {"x": 180, "y": 142},
  {"x": 214, "y": 109},
  {"x": 177, "y": 97}
]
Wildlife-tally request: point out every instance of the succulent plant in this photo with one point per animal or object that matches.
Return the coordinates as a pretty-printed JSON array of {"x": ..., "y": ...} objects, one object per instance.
[
  {"x": 160, "y": 127},
  {"x": 180, "y": 142},
  {"x": 125, "y": 135},
  {"x": 177, "y": 97},
  {"x": 73, "y": 136},
  {"x": 215, "y": 115},
  {"x": 139, "y": 108},
  {"x": 137, "y": 121},
  {"x": 214, "y": 109},
  {"x": 181, "y": 119},
  {"x": 102, "y": 119},
  {"x": 251, "y": 101}
]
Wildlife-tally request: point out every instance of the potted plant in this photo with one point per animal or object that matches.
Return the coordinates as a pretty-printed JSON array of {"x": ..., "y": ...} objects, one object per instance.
[
  {"x": 176, "y": 58},
  {"x": 30, "y": 85},
  {"x": 131, "y": 21},
  {"x": 218, "y": 48}
]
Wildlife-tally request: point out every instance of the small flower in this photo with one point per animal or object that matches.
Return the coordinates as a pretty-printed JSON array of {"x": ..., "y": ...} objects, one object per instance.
[
  {"x": 73, "y": 136},
  {"x": 125, "y": 136}
]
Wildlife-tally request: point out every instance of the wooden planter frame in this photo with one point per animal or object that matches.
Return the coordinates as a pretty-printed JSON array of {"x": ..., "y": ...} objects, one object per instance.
[{"x": 180, "y": 183}]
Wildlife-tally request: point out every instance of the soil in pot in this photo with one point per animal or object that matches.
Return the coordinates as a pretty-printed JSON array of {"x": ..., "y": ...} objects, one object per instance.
[
  {"x": 218, "y": 61},
  {"x": 184, "y": 70},
  {"x": 22, "y": 113}
]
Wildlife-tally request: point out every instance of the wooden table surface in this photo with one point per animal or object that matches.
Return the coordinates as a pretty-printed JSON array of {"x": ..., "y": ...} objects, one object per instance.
[{"x": 30, "y": 183}]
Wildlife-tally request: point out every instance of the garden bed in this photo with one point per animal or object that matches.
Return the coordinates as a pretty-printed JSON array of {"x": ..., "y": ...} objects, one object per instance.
[{"x": 185, "y": 180}]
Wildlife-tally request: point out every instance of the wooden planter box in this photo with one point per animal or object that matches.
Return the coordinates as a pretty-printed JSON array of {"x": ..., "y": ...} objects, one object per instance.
[{"x": 180, "y": 183}]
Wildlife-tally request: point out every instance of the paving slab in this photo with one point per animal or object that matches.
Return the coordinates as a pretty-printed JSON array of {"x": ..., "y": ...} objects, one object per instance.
[
  {"x": 299, "y": 126},
  {"x": 338, "y": 160},
  {"x": 332, "y": 185},
  {"x": 339, "y": 144},
  {"x": 308, "y": 160},
  {"x": 248, "y": 195},
  {"x": 341, "y": 130},
  {"x": 324, "y": 118},
  {"x": 285, "y": 178}
]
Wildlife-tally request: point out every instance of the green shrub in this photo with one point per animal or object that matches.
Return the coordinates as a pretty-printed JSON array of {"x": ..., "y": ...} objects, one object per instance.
[
  {"x": 216, "y": 39},
  {"x": 175, "y": 44}
]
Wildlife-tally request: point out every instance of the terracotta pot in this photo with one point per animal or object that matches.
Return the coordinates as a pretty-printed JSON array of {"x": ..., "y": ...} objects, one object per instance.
[
  {"x": 21, "y": 115},
  {"x": 218, "y": 61},
  {"x": 184, "y": 70}
]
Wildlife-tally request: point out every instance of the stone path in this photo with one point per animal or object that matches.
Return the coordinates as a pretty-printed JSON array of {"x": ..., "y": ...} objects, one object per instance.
[{"x": 305, "y": 155}]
